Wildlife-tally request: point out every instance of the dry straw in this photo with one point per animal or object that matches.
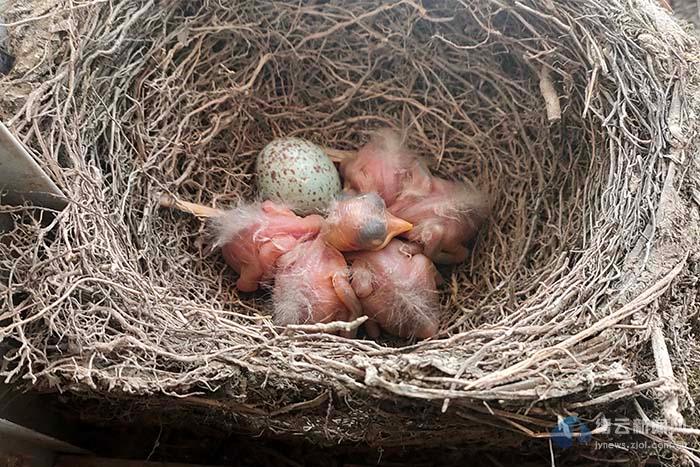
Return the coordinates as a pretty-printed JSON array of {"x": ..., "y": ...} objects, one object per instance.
[{"x": 577, "y": 117}]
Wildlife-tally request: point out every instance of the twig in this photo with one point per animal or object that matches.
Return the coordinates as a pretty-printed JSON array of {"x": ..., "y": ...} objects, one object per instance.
[
  {"x": 329, "y": 327},
  {"x": 169, "y": 201},
  {"x": 551, "y": 98},
  {"x": 619, "y": 394},
  {"x": 338, "y": 155},
  {"x": 664, "y": 369}
]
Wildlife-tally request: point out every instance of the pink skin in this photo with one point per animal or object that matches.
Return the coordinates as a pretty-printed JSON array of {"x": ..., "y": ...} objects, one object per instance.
[
  {"x": 445, "y": 216},
  {"x": 361, "y": 222},
  {"x": 254, "y": 250},
  {"x": 312, "y": 286},
  {"x": 379, "y": 166},
  {"x": 397, "y": 288}
]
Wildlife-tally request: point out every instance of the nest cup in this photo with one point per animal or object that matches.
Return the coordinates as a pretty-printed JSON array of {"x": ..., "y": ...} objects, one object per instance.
[{"x": 576, "y": 117}]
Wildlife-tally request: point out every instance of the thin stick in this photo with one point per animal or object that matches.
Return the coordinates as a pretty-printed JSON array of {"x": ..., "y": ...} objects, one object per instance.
[
  {"x": 550, "y": 96},
  {"x": 329, "y": 327},
  {"x": 199, "y": 210},
  {"x": 339, "y": 155},
  {"x": 664, "y": 369}
]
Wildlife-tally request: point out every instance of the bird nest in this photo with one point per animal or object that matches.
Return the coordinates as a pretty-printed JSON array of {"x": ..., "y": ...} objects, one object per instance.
[{"x": 576, "y": 117}]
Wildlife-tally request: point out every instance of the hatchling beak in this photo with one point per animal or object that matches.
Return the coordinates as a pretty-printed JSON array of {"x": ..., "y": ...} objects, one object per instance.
[{"x": 395, "y": 227}]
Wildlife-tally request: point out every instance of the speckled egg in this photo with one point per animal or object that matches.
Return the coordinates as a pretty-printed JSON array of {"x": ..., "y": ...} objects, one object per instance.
[{"x": 298, "y": 173}]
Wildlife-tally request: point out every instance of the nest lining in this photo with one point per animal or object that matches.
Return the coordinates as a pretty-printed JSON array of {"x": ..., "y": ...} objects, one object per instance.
[{"x": 113, "y": 294}]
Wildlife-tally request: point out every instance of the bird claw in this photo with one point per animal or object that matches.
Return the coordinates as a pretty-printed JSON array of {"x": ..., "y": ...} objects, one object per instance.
[
  {"x": 372, "y": 328},
  {"x": 410, "y": 249},
  {"x": 458, "y": 255},
  {"x": 347, "y": 296},
  {"x": 361, "y": 281}
]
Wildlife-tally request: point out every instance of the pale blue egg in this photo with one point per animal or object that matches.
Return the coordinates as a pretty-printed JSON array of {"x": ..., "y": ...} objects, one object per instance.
[{"x": 297, "y": 173}]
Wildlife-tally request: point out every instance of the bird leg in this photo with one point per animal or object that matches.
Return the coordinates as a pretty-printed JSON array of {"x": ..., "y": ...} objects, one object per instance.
[
  {"x": 426, "y": 330},
  {"x": 347, "y": 296},
  {"x": 273, "y": 249},
  {"x": 249, "y": 277},
  {"x": 362, "y": 281},
  {"x": 434, "y": 249},
  {"x": 432, "y": 240},
  {"x": 410, "y": 249},
  {"x": 268, "y": 253},
  {"x": 439, "y": 280},
  {"x": 362, "y": 285},
  {"x": 457, "y": 255},
  {"x": 199, "y": 210},
  {"x": 372, "y": 328}
]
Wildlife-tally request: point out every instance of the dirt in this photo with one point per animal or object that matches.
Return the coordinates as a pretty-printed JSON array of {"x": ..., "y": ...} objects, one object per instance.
[{"x": 29, "y": 43}]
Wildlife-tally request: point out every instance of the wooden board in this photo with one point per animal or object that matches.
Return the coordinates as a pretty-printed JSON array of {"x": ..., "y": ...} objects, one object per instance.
[
  {"x": 90, "y": 461},
  {"x": 12, "y": 430},
  {"x": 22, "y": 178},
  {"x": 16, "y": 453}
]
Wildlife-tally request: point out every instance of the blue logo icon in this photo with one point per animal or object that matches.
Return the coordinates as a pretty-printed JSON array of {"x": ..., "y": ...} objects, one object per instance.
[{"x": 570, "y": 430}]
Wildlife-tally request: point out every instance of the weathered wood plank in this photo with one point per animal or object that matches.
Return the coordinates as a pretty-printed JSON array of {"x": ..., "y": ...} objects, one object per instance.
[
  {"x": 22, "y": 178},
  {"x": 91, "y": 461},
  {"x": 15, "y": 431}
]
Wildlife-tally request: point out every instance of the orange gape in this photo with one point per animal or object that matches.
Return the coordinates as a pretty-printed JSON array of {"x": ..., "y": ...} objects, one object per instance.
[
  {"x": 362, "y": 222},
  {"x": 397, "y": 288},
  {"x": 312, "y": 286},
  {"x": 252, "y": 237}
]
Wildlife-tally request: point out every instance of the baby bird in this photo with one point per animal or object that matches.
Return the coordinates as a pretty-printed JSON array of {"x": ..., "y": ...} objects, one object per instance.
[
  {"x": 379, "y": 166},
  {"x": 312, "y": 286},
  {"x": 253, "y": 236},
  {"x": 397, "y": 290},
  {"x": 361, "y": 222},
  {"x": 445, "y": 214}
]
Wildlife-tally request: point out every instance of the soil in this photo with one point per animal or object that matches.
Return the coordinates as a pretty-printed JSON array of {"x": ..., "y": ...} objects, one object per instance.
[{"x": 28, "y": 42}]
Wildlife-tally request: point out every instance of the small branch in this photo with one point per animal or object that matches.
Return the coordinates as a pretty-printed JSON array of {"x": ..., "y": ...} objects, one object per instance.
[
  {"x": 339, "y": 155},
  {"x": 323, "y": 397},
  {"x": 551, "y": 99},
  {"x": 329, "y": 327},
  {"x": 675, "y": 120},
  {"x": 199, "y": 210},
  {"x": 616, "y": 395},
  {"x": 665, "y": 371}
]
